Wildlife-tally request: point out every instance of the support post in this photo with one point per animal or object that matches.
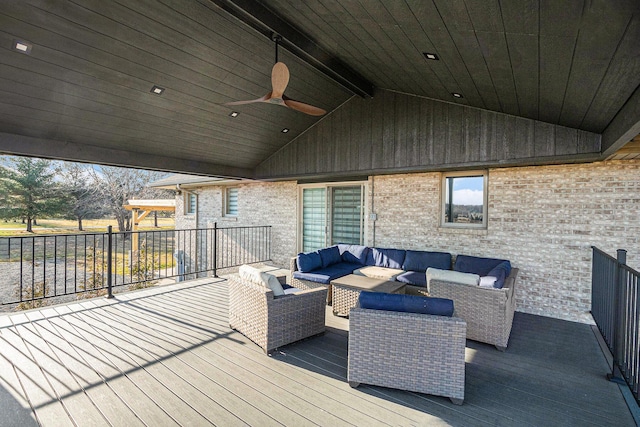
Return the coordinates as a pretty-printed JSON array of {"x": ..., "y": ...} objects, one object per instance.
[
  {"x": 109, "y": 262},
  {"x": 134, "y": 228},
  {"x": 615, "y": 375},
  {"x": 215, "y": 249}
]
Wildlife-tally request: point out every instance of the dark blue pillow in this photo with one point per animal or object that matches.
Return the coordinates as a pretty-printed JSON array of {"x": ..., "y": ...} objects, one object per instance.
[
  {"x": 330, "y": 256},
  {"x": 421, "y": 260},
  {"x": 406, "y": 303},
  {"x": 477, "y": 265},
  {"x": 390, "y": 258},
  {"x": 500, "y": 272},
  {"x": 309, "y": 261},
  {"x": 355, "y": 254}
]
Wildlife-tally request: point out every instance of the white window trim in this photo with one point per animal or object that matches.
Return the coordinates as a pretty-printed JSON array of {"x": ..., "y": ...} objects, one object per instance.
[
  {"x": 187, "y": 203},
  {"x": 225, "y": 203},
  {"x": 301, "y": 187},
  {"x": 443, "y": 199}
]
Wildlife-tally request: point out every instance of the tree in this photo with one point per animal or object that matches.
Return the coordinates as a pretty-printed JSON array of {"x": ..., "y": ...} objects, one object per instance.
[
  {"x": 84, "y": 198},
  {"x": 29, "y": 189},
  {"x": 119, "y": 185}
]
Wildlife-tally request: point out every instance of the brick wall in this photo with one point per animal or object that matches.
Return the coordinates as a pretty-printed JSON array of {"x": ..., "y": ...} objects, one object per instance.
[
  {"x": 271, "y": 204},
  {"x": 544, "y": 219}
]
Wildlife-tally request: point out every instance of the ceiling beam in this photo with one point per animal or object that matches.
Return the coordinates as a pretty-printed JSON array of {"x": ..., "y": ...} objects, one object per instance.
[
  {"x": 20, "y": 145},
  {"x": 267, "y": 23},
  {"x": 624, "y": 127}
]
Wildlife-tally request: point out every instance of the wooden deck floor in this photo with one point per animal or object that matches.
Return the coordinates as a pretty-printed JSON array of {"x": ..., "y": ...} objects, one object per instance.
[{"x": 166, "y": 356}]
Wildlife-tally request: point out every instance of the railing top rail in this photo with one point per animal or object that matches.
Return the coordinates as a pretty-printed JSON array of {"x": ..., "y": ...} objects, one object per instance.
[
  {"x": 243, "y": 226},
  {"x": 603, "y": 253},
  {"x": 35, "y": 236},
  {"x": 630, "y": 270},
  {"x": 102, "y": 233}
]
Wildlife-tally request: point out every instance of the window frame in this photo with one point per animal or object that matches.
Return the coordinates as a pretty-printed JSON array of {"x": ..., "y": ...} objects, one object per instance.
[
  {"x": 226, "y": 204},
  {"x": 485, "y": 196},
  {"x": 187, "y": 203}
]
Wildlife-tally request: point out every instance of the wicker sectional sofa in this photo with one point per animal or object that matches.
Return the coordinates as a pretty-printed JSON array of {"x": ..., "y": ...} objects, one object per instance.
[
  {"x": 487, "y": 309},
  {"x": 404, "y": 266}
]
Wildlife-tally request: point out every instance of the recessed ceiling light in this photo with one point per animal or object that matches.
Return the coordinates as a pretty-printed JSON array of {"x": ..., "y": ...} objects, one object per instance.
[
  {"x": 157, "y": 90},
  {"x": 22, "y": 46},
  {"x": 285, "y": 130},
  {"x": 234, "y": 114},
  {"x": 431, "y": 56},
  {"x": 456, "y": 95}
]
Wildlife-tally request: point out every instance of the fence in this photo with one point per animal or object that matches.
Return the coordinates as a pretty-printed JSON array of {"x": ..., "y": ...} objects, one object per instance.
[
  {"x": 615, "y": 307},
  {"x": 35, "y": 268}
]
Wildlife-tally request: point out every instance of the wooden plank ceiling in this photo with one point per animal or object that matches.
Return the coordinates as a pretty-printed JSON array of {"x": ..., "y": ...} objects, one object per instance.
[
  {"x": 88, "y": 77},
  {"x": 629, "y": 152}
]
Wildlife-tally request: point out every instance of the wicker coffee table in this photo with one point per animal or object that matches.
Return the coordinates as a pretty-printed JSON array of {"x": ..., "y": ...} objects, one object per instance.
[{"x": 346, "y": 290}]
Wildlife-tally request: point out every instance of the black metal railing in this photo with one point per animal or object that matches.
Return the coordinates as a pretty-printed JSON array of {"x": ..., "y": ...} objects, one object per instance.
[
  {"x": 36, "y": 268},
  {"x": 615, "y": 306}
]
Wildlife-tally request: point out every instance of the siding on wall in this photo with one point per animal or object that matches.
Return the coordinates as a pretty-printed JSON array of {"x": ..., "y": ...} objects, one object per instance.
[
  {"x": 544, "y": 219},
  {"x": 394, "y": 132}
]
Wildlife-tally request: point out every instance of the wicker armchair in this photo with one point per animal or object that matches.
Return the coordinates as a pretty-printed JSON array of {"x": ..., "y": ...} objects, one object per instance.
[
  {"x": 407, "y": 351},
  {"x": 487, "y": 311},
  {"x": 272, "y": 322}
]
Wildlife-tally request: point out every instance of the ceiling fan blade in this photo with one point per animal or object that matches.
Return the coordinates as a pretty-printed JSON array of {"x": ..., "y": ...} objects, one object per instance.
[
  {"x": 279, "y": 79},
  {"x": 302, "y": 107},
  {"x": 251, "y": 101}
]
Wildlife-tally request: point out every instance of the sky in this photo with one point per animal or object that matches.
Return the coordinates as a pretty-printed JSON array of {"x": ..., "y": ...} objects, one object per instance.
[{"x": 468, "y": 191}]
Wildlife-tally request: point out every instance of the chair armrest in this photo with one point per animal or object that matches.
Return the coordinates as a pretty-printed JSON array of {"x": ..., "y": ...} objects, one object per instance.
[
  {"x": 302, "y": 298},
  {"x": 293, "y": 264}
]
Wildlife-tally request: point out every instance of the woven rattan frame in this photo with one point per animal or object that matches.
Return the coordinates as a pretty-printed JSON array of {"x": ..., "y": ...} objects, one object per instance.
[
  {"x": 272, "y": 322},
  {"x": 343, "y": 299},
  {"x": 487, "y": 311},
  {"x": 407, "y": 351}
]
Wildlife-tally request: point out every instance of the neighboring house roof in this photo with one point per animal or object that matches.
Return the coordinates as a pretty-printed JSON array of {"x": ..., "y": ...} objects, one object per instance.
[{"x": 183, "y": 180}]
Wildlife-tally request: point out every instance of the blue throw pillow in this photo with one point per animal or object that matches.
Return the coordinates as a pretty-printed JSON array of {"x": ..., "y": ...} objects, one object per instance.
[
  {"x": 390, "y": 258},
  {"x": 355, "y": 254},
  {"x": 421, "y": 260},
  {"x": 500, "y": 272},
  {"x": 330, "y": 256},
  {"x": 477, "y": 265},
  {"x": 406, "y": 303},
  {"x": 309, "y": 261}
]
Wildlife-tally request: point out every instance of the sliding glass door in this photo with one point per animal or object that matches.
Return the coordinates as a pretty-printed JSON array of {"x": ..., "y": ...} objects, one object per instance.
[{"x": 331, "y": 214}]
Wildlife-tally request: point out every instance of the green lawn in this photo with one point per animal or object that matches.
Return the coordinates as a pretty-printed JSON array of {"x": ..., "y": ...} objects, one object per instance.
[{"x": 62, "y": 226}]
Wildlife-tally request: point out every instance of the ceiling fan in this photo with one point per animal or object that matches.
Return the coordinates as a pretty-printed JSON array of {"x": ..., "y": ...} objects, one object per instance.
[{"x": 279, "y": 81}]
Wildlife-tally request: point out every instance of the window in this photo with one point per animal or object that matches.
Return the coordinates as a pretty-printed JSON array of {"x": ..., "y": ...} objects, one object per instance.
[
  {"x": 331, "y": 214},
  {"x": 231, "y": 201},
  {"x": 464, "y": 199},
  {"x": 190, "y": 203}
]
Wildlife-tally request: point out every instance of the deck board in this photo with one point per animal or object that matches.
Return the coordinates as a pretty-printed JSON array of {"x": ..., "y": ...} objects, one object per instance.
[{"x": 166, "y": 356}]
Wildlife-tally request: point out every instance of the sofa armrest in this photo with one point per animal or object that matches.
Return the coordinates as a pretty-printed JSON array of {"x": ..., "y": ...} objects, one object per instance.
[{"x": 293, "y": 264}]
